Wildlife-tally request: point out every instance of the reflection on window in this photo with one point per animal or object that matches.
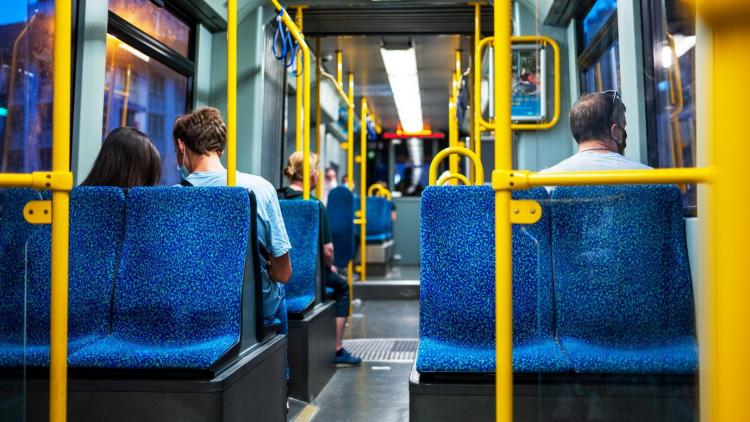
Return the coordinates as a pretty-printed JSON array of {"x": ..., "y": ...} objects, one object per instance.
[
  {"x": 154, "y": 21},
  {"x": 596, "y": 18},
  {"x": 26, "y": 39},
  {"x": 145, "y": 94},
  {"x": 674, "y": 70},
  {"x": 604, "y": 74}
]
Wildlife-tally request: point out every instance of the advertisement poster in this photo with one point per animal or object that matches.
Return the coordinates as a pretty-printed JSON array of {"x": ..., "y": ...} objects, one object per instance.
[{"x": 528, "y": 91}]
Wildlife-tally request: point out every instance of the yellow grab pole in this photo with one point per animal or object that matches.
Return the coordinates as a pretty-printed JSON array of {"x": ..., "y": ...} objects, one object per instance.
[
  {"x": 475, "y": 134},
  {"x": 339, "y": 88},
  {"x": 339, "y": 68},
  {"x": 232, "y": 92},
  {"x": 440, "y": 156},
  {"x": 363, "y": 192},
  {"x": 60, "y": 212},
  {"x": 298, "y": 84},
  {"x": 350, "y": 136},
  {"x": 503, "y": 245},
  {"x": 524, "y": 180},
  {"x": 318, "y": 141},
  {"x": 452, "y": 110},
  {"x": 725, "y": 340},
  {"x": 9, "y": 180}
]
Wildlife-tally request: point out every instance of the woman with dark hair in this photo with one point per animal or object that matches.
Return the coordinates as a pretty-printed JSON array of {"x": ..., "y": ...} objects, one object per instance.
[{"x": 127, "y": 158}]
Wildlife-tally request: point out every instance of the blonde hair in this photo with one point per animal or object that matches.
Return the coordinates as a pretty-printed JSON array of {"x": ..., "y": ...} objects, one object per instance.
[{"x": 294, "y": 165}]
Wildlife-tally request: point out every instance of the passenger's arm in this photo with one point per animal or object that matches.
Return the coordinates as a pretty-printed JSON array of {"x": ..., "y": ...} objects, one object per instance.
[
  {"x": 328, "y": 254},
  {"x": 280, "y": 269}
]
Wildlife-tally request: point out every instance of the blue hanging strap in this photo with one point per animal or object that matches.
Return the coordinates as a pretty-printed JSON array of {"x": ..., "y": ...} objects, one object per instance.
[{"x": 280, "y": 33}]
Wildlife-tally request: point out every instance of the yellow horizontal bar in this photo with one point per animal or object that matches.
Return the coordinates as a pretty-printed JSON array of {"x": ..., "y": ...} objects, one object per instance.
[
  {"x": 16, "y": 180},
  {"x": 339, "y": 89},
  {"x": 377, "y": 189},
  {"x": 614, "y": 177}
]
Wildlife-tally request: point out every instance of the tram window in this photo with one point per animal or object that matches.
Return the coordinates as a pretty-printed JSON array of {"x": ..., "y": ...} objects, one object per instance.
[
  {"x": 596, "y": 18},
  {"x": 26, "y": 34},
  {"x": 143, "y": 88},
  {"x": 671, "y": 57},
  {"x": 154, "y": 21},
  {"x": 604, "y": 74},
  {"x": 599, "y": 57}
]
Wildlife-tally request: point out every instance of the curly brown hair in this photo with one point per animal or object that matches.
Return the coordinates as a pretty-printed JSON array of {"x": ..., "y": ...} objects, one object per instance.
[{"x": 202, "y": 130}]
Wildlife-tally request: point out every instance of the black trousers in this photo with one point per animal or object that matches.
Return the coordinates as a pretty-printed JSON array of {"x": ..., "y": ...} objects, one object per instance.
[{"x": 340, "y": 292}]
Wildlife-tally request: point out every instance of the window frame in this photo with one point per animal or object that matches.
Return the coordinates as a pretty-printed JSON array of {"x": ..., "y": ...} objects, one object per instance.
[{"x": 155, "y": 49}]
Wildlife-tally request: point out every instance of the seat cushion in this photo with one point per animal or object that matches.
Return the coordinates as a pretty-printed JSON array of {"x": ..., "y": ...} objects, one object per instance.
[
  {"x": 299, "y": 304},
  {"x": 37, "y": 355},
  {"x": 114, "y": 352},
  {"x": 677, "y": 356},
  {"x": 438, "y": 356}
]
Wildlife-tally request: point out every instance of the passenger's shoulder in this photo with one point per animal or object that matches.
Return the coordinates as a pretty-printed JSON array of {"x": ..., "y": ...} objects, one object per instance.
[{"x": 255, "y": 183}]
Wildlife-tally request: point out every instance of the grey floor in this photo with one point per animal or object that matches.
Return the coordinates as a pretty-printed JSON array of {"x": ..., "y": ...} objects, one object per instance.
[
  {"x": 398, "y": 273},
  {"x": 375, "y": 391}
]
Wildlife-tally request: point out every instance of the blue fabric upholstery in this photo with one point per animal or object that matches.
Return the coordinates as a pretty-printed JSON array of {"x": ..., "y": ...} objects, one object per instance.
[
  {"x": 624, "y": 294},
  {"x": 177, "y": 301},
  {"x": 14, "y": 233},
  {"x": 457, "y": 323},
  {"x": 302, "y": 221},
  {"x": 341, "y": 215},
  {"x": 378, "y": 218}
]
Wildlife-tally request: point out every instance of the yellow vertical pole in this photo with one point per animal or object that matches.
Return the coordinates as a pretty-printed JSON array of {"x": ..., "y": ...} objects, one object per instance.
[
  {"x": 232, "y": 92},
  {"x": 350, "y": 137},
  {"x": 318, "y": 140},
  {"x": 453, "y": 118},
  {"x": 476, "y": 104},
  {"x": 298, "y": 84},
  {"x": 340, "y": 68},
  {"x": 306, "y": 127},
  {"x": 363, "y": 192},
  {"x": 475, "y": 133},
  {"x": 725, "y": 340},
  {"x": 60, "y": 212},
  {"x": 503, "y": 245}
]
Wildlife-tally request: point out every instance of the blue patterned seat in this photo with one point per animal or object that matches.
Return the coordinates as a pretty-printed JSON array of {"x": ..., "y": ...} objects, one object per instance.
[
  {"x": 457, "y": 322},
  {"x": 178, "y": 291},
  {"x": 624, "y": 294},
  {"x": 378, "y": 219},
  {"x": 14, "y": 233},
  {"x": 341, "y": 215},
  {"x": 302, "y": 221}
]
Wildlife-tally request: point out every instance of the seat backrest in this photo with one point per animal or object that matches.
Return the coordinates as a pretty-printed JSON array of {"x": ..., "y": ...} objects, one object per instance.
[
  {"x": 341, "y": 215},
  {"x": 621, "y": 264},
  {"x": 457, "y": 291},
  {"x": 183, "y": 260},
  {"x": 97, "y": 224},
  {"x": 14, "y": 233},
  {"x": 378, "y": 215},
  {"x": 302, "y": 221}
]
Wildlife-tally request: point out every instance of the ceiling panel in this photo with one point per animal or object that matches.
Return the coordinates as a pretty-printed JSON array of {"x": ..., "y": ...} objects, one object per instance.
[{"x": 435, "y": 63}]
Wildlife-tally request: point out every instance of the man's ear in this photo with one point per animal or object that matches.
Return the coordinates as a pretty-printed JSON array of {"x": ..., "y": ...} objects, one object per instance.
[
  {"x": 613, "y": 132},
  {"x": 181, "y": 146}
]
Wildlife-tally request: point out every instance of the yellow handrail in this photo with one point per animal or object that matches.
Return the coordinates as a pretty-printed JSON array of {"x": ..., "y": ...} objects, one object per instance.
[
  {"x": 232, "y": 92},
  {"x": 362, "y": 218},
  {"x": 304, "y": 109},
  {"x": 479, "y": 122},
  {"x": 350, "y": 136},
  {"x": 440, "y": 156},
  {"x": 451, "y": 176},
  {"x": 339, "y": 89},
  {"x": 475, "y": 133},
  {"x": 453, "y": 130},
  {"x": 723, "y": 337},
  {"x": 318, "y": 140},
  {"x": 520, "y": 179},
  {"x": 376, "y": 189}
]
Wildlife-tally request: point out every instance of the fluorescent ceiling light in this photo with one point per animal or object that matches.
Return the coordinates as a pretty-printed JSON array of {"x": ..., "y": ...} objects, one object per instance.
[{"x": 401, "y": 67}]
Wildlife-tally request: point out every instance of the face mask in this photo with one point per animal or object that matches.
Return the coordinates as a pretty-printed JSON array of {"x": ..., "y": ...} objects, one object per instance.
[
  {"x": 621, "y": 143},
  {"x": 184, "y": 173}
]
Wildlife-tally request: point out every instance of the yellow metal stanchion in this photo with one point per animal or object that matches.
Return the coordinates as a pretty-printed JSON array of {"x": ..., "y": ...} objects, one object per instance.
[
  {"x": 725, "y": 340},
  {"x": 298, "y": 84},
  {"x": 318, "y": 141},
  {"x": 362, "y": 217},
  {"x": 60, "y": 210},
  {"x": 350, "y": 172},
  {"x": 303, "y": 110},
  {"x": 503, "y": 245},
  {"x": 231, "y": 92},
  {"x": 475, "y": 81}
]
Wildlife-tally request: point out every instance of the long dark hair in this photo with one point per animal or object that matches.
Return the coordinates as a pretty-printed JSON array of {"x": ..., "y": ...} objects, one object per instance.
[{"x": 127, "y": 159}]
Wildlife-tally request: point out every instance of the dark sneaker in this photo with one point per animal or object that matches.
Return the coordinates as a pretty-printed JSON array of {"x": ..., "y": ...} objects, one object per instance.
[{"x": 343, "y": 357}]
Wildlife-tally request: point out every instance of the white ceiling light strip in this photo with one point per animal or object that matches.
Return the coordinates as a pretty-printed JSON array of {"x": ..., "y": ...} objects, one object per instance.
[{"x": 401, "y": 67}]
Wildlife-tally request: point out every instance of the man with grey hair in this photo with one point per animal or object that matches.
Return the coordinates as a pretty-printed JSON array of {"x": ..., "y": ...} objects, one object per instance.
[{"x": 597, "y": 122}]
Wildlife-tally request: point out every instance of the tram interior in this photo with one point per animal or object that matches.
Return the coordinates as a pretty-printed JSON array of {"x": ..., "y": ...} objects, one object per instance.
[{"x": 165, "y": 300}]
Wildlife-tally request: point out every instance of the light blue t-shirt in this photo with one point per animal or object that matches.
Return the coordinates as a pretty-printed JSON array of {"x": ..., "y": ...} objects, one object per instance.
[
  {"x": 595, "y": 160},
  {"x": 271, "y": 230}
]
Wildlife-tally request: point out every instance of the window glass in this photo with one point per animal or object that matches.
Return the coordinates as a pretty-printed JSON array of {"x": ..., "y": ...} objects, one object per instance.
[
  {"x": 674, "y": 71},
  {"x": 596, "y": 18},
  {"x": 154, "y": 21},
  {"x": 145, "y": 94},
  {"x": 604, "y": 74},
  {"x": 26, "y": 40}
]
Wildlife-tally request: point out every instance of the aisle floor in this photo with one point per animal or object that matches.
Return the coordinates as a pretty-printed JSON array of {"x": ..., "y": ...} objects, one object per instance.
[{"x": 378, "y": 390}]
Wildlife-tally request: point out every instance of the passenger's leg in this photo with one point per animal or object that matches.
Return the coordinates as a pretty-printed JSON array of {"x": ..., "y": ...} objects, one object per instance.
[{"x": 341, "y": 294}]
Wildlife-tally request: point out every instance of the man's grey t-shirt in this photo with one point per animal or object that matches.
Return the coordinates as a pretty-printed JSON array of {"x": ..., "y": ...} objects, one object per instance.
[
  {"x": 271, "y": 230},
  {"x": 596, "y": 160}
]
